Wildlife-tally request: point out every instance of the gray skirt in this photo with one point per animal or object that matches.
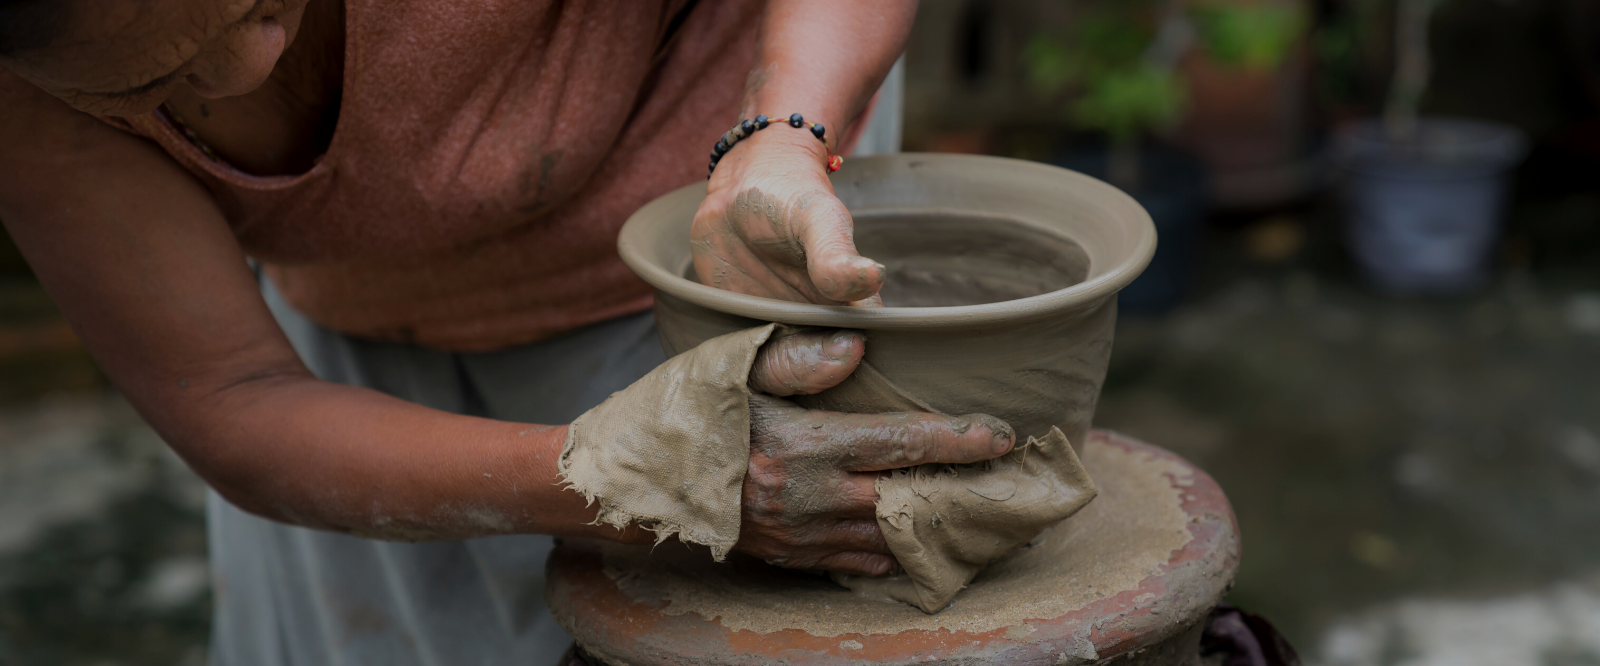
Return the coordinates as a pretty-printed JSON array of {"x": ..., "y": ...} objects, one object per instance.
[{"x": 289, "y": 595}]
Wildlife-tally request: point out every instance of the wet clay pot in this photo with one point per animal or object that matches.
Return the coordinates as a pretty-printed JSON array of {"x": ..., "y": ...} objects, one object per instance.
[
  {"x": 1172, "y": 188},
  {"x": 1001, "y": 294}
]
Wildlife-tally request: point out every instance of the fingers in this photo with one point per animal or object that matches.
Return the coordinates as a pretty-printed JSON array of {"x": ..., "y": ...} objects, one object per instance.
[
  {"x": 844, "y": 495},
  {"x": 806, "y": 363},
  {"x": 871, "y": 442},
  {"x": 873, "y": 301},
  {"x": 826, "y": 231},
  {"x": 861, "y": 535},
  {"x": 861, "y": 549},
  {"x": 862, "y": 564},
  {"x": 858, "y": 497},
  {"x": 849, "y": 546}
]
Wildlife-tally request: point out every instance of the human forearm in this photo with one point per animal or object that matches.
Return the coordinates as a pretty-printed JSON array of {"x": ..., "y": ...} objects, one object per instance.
[
  {"x": 352, "y": 460},
  {"x": 825, "y": 58},
  {"x": 822, "y": 59}
]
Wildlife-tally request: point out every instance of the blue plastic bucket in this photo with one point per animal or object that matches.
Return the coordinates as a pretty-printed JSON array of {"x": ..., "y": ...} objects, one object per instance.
[{"x": 1423, "y": 215}]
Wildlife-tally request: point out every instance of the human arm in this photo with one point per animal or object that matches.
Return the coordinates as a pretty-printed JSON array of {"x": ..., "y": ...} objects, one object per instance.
[
  {"x": 770, "y": 224},
  {"x": 141, "y": 261}
]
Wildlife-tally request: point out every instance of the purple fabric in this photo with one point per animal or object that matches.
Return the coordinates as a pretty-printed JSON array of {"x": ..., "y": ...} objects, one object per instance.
[{"x": 1245, "y": 640}]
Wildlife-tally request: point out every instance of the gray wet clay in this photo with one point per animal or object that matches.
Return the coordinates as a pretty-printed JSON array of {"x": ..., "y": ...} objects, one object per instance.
[{"x": 1002, "y": 279}]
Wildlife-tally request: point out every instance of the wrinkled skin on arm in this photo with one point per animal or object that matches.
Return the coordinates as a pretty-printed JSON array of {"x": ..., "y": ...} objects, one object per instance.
[{"x": 771, "y": 225}]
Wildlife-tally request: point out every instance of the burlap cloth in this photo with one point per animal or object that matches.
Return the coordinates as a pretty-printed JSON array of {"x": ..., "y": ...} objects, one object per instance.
[{"x": 670, "y": 453}]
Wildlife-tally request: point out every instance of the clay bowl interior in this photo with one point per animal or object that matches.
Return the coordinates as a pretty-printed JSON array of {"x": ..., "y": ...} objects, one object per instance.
[{"x": 1001, "y": 290}]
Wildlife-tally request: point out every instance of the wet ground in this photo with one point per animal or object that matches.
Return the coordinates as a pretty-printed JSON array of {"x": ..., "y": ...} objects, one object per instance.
[
  {"x": 102, "y": 540},
  {"x": 1414, "y": 480},
  {"x": 1417, "y": 480}
]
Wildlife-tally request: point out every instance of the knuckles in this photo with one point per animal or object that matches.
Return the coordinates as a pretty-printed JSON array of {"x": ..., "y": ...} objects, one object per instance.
[
  {"x": 763, "y": 486},
  {"x": 800, "y": 364},
  {"x": 917, "y": 442},
  {"x": 784, "y": 366}
]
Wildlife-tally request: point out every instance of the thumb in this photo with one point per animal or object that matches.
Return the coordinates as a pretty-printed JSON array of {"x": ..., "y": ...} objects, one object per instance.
[
  {"x": 806, "y": 363},
  {"x": 836, "y": 269}
]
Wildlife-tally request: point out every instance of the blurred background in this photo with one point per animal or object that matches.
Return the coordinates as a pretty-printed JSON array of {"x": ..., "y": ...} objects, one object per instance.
[{"x": 1374, "y": 317}]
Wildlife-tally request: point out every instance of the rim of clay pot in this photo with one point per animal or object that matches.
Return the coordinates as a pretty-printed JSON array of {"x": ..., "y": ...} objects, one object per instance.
[{"x": 642, "y": 247}]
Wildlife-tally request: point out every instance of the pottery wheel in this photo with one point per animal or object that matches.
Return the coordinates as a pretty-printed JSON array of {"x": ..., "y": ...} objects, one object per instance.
[{"x": 1128, "y": 580}]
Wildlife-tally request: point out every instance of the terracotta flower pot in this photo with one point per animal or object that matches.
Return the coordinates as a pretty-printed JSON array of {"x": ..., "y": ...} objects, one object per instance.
[
  {"x": 1250, "y": 127},
  {"x": 1002, "y": 286},
  {"x": 1247, "y": 115}
]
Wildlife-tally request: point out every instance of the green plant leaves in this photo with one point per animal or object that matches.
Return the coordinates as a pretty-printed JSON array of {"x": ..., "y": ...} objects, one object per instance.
[
  {"x": 1101, "y": 56},
  {"x": 1255, "y": 36},
  {"x": 1124, "y": 103}
]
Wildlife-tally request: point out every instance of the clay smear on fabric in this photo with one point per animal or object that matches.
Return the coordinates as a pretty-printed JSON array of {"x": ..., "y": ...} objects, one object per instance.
[
  {"x": 1122, "y": 538},
  {"x": 944, "y": 523},
  {"x": 674, "y": 471}
]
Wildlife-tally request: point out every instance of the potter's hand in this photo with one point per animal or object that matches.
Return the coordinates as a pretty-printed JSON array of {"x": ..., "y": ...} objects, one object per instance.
[
  {"x": 771, "y": 226},
  {"x": 809, "y": 497}
]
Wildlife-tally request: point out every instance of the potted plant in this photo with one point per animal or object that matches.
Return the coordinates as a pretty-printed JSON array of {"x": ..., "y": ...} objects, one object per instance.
[
  {"x": 1248, "y": 110},
  {"x": 1423, "y": 195},
  {"x": 1113, "y": 65}
]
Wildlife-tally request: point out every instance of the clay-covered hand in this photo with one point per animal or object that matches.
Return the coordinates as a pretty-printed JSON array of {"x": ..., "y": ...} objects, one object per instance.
[
  {"x": 771, "y": 225},
  {"x": 809, "y": 498}
]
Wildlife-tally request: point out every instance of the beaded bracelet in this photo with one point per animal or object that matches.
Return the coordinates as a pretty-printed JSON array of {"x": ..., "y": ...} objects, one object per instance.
[{"x": 749, "y": 126}]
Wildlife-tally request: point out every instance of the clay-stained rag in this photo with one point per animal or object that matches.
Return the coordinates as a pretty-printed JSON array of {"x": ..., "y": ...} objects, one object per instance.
[
  {"x": 679, "y": 469},
  {"x": 670, "y": 451}
]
